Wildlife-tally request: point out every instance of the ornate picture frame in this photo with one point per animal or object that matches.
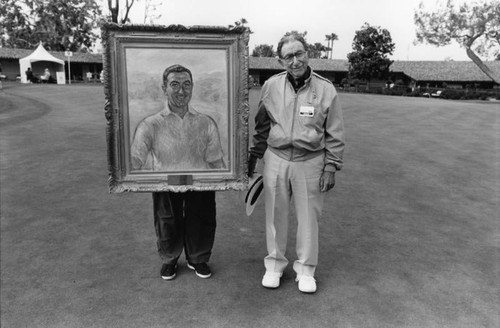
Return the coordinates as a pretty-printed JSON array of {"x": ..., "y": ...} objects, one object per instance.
[{"x": 175, "y": 154}]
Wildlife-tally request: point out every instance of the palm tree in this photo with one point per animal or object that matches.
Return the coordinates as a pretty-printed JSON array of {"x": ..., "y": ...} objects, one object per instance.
[{"x": 330, "y": 38}]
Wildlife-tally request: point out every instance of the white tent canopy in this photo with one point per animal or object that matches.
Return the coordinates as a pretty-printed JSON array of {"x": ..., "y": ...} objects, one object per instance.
[{"x": 43, "y": 60}]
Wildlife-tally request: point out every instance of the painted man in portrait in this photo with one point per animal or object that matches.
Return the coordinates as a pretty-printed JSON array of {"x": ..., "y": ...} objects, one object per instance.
[{"x": 178, "y": 138}]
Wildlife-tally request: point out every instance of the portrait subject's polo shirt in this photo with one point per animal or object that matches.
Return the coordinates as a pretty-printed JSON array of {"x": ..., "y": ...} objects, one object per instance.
[{"x": 167, "y": 142}]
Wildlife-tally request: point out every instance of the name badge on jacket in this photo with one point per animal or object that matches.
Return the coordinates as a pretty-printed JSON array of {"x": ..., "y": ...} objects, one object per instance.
[{"x": 307, "y": 111}]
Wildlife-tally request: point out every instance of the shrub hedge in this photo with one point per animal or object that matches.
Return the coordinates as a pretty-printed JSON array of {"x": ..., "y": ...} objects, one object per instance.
[
  {"x": 457, "y": 94},
  {"x": 469, "y": 94}
]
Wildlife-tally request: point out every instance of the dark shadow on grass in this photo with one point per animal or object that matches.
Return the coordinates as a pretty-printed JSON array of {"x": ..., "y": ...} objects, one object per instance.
[{"x": 26, "y": 109}]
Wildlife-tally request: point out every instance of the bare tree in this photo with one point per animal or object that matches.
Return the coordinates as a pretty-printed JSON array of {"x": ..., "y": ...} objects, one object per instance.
[{"x": 114, "y": 9}]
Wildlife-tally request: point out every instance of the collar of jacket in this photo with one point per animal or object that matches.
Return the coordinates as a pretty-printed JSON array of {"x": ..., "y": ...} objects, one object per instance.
[{"x": 301, "y": 81}]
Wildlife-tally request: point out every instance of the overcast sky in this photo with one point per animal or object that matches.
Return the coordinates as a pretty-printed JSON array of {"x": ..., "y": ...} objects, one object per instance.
[{"x": 270, "y": 19}]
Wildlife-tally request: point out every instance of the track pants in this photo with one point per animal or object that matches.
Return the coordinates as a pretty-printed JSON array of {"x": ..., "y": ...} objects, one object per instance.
[
  {"x": 284, "y": 181},
  {"x": 185, "y": 221}
]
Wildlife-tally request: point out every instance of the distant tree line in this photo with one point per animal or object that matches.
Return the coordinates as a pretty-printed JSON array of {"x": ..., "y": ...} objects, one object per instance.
[
  {"x": 73, "y": 25},
  {"x": 474, "y": 25},
  {"x": 62, "y": 24}
]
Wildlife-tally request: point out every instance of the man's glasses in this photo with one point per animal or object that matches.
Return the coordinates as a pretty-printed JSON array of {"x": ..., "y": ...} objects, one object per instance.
[
  {"x": 176, "y": 86},
  {"x": 299, "y": 55}
]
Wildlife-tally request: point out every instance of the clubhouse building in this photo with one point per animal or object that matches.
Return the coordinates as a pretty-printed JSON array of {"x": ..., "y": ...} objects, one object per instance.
[{"x": 434, "y": 74}]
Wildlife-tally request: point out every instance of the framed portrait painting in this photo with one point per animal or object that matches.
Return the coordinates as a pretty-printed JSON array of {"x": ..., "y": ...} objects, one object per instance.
[{"x": 176, "y": 105}]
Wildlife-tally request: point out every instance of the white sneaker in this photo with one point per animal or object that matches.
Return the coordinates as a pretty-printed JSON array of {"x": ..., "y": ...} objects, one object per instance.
[
  {"x": 307, "y": 284},
  {"x": 271, "y": 279}
]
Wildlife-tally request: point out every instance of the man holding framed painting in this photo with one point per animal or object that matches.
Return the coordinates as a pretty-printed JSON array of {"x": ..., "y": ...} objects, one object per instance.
[
  {"x": 178, "y": 137},
  {"x": 299, "y": 133},
  {"x": 181, "y": 135}
]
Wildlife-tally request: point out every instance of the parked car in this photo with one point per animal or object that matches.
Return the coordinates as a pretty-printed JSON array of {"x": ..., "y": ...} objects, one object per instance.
[{"x": 433, "y": 94}]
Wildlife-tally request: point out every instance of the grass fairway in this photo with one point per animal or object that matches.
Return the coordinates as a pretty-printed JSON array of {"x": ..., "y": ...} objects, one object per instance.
[{"x": 409, "y": 236}]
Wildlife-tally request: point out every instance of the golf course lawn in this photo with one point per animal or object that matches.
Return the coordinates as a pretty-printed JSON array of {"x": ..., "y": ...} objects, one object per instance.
[{"x": 409, "y": 235}]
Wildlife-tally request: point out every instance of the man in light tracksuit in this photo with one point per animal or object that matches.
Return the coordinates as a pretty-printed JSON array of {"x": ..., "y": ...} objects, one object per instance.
[{"x": 299, "y": 132}]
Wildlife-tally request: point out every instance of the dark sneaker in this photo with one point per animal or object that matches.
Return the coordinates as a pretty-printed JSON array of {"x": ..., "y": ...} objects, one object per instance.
[
  {"x": 168, "y": 271},
  {"x": 202, "y": 270}
]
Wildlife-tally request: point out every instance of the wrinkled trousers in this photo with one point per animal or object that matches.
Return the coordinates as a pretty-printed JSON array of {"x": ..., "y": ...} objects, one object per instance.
[
  {"x": 185, "y": 221},
  {"x": 284, "y": 181}
]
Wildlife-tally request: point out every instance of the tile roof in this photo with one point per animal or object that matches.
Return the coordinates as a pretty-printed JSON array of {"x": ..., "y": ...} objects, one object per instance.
[
  {"x": 78, "y": 57},
  {"x": 418, "y": 70},
  {"x": 271, "y": 63},
  {"x": 444, "y": 70},
  {"x": 14, "y": 53}
]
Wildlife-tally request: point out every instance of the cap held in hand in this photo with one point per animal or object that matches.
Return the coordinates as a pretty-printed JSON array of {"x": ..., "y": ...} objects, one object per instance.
[{"x": 256, "y": 186}]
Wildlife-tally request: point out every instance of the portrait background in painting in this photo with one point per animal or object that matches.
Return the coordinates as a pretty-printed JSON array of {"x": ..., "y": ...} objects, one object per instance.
[{"x": 209, "y": 67}]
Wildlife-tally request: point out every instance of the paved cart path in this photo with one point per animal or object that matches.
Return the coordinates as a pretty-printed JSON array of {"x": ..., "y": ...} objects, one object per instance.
[{"x": 409, "y": 236}]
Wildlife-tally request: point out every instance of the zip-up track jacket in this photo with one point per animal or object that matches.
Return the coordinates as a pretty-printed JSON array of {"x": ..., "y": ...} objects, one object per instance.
[{"x": 299, "y": 126}]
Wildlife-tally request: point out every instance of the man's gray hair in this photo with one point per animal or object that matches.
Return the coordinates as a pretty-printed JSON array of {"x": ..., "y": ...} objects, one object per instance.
[{"x": 291, "y": 36}]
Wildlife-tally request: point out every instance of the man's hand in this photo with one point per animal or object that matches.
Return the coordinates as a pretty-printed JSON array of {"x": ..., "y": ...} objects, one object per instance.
[
  {"x": 252, "y": 162},
  {"x": 327, "y": 181}
]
